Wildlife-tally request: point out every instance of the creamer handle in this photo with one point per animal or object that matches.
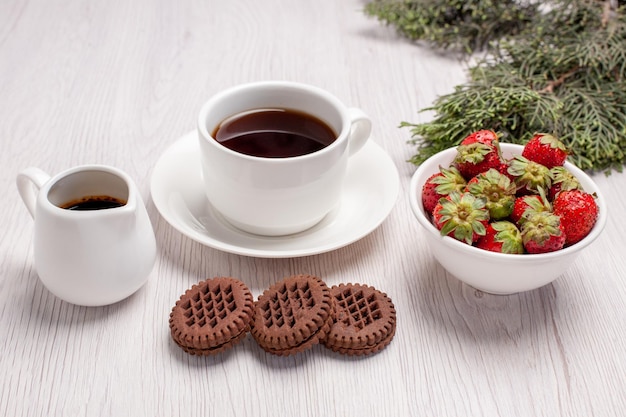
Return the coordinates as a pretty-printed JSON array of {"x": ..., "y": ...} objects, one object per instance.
[{"x": 29, "y": 182}]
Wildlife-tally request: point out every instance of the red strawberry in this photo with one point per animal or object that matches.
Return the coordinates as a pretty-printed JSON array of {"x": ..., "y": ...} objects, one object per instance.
[
  {"x": 501, "y": 236},
  {"x": 578, "y": 211},
  {"x": 546, "y": 150},
  {"x": 529, "y": 175},
  {"x": 527, "y": 204},
  {"x": 504, "y": 169},
  {"x": 487, "y": 137},
  {"x": 543, "y": 232},
  {"x": 562, "y": 180},
  {"x": 477, "y": 153},
  {"x": 461, "y": 216},
  {"x": 440, "y": 185},
  {"x": 497, "y": 190},
  {"x": 430, "y": 196}
]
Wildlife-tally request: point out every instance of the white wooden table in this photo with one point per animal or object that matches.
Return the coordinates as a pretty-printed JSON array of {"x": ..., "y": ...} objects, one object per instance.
[{"x": 118, "y": 82}]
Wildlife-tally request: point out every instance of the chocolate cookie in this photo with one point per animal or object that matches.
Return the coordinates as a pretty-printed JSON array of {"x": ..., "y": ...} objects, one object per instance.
[
  {"x": 292, "y": 315},
  {"x": 365, "y": 320},
  {"x": 212, "y": 316}
]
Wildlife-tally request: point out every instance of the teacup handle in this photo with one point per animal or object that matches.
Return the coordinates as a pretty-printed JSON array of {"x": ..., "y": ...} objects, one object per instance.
[
  {"x": 29, "y": 182},
  {"x": 360, "y": 130}
]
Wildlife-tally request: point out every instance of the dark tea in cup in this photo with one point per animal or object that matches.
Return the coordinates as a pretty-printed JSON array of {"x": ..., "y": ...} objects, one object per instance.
[{"x": 274, "y": 133}]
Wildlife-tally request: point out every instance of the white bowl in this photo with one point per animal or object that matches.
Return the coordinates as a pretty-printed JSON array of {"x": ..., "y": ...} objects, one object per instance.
[{"x": 492, "y": 272}]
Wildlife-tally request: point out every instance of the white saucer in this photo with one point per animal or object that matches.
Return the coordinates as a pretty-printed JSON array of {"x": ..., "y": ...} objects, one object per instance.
[{"x": 371, "y": 191}]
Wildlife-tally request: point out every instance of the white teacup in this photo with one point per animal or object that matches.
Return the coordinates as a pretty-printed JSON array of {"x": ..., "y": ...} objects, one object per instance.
[
  {"x": 278, "y": 196},
  {"x": 87, "y": 255}
]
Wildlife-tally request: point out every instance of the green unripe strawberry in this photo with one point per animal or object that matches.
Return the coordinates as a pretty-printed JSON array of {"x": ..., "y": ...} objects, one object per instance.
[
  {"x": 529, "y": 175},
  {"x": 461, "y": 216},
  {"x": 497, "y": 190}
]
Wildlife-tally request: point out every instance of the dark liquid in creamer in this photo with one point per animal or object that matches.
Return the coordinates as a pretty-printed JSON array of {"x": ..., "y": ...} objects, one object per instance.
[
  {"x": 99, "y": 202},
  {"x": 274, "y": 133}
]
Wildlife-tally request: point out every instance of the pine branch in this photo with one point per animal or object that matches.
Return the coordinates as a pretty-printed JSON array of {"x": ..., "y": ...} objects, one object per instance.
[
  {"x": 563, "y": 71},
  {"x": 464, "y": 26}
]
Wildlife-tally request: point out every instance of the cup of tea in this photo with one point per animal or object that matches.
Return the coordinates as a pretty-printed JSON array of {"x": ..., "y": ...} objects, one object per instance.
[
  {"x": 94, "y": 244},
  {"x": 274, "y": 154}
]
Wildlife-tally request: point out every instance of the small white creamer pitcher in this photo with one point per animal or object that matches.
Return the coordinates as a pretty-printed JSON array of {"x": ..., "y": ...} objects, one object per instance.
[{"x": 94, "y": 244}]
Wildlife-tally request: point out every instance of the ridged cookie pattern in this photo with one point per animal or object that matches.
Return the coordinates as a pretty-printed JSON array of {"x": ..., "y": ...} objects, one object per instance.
[
  {"x": 365, "y": 320},
  {"x": 212, "y": 314},
  {"x": 292, "y": 315}
]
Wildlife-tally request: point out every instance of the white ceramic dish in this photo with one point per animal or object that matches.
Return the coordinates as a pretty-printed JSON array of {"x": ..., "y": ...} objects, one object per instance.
[
  {"x": 492, "y": 272},
  {"x": 371, "y": 191}
]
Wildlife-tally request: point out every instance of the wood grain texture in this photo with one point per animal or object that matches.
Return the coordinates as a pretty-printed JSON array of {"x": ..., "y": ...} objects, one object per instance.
[{"x": 117, "y": 82}]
